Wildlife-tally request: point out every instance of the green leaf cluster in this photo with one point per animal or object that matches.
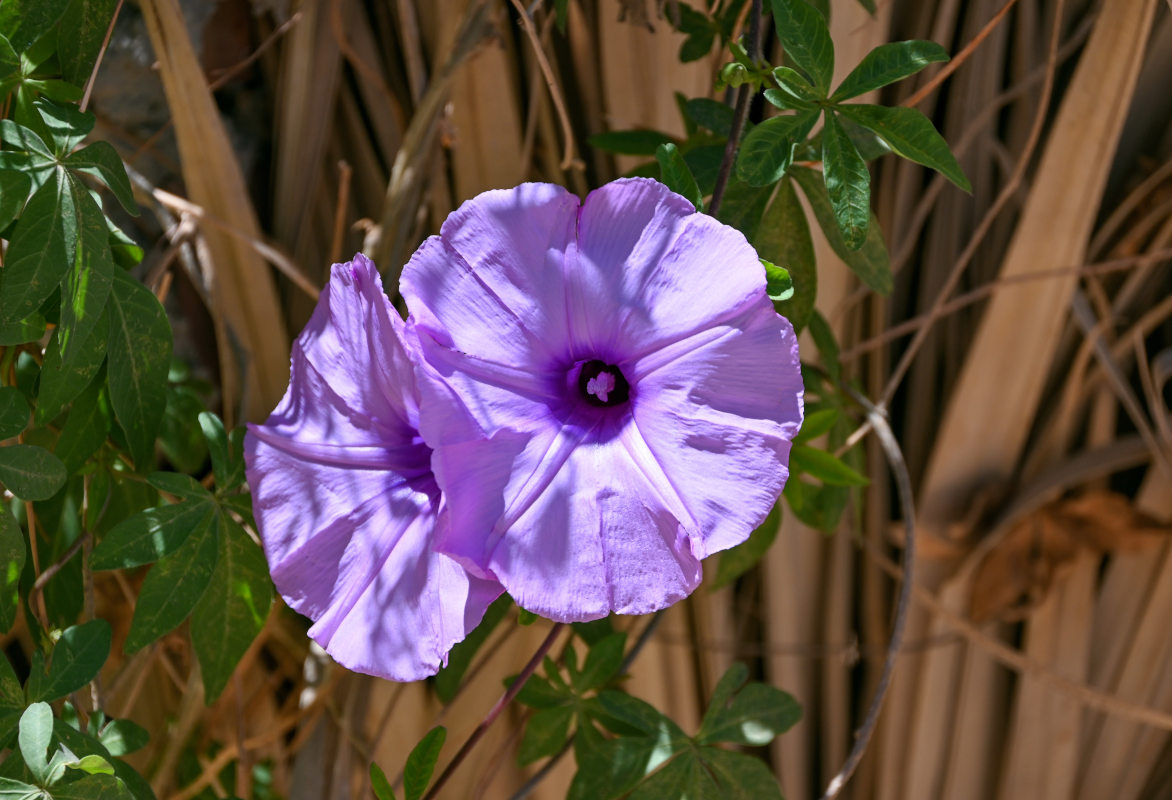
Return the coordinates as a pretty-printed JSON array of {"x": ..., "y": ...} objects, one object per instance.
[
  {"x": 644, "y": 754},
  {"x": 206, "y": 566}
]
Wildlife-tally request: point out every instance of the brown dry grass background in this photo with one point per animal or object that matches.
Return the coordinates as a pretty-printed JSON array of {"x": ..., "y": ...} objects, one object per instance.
[{"x": 1033, "y": 317}]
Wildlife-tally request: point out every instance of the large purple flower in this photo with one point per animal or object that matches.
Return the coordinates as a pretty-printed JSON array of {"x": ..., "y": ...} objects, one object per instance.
[
  {"x": 344, "y": 495},
  {"x": 608, "y": 390}
]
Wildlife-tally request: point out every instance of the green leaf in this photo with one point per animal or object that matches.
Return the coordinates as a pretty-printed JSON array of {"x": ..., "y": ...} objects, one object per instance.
[
  {"x": 121, "y": 736},
  {"x": 783, "y": 237},
  {"x": 25, "y": 21},
  {"x": 14, "y": 189},
  {"x": 806, "y": 39},
  {"x": 886, "y": 64},
  {"x": 102, "y": 161},
  {"x": 93, "y": 765},
  {"x": 909, "y": 134},
  {"x": 180, "y": 485},
  {"x": 817, "y": 423},
  {"x": 139, "y": 353},
  {"x": 152, "y": 534},
  {"x": 31, "y": 472},
  {"x": 36, "y": 731},
  {"x": 870, "y": 262},
  {"x": 86, "y": 427},
  {"x": 30, "y": 142},
  {"x": 379, "y": 783},
  {"x": 11, "y": 789},
  {"x": 84, "y": 744},
  {"x": 87, "y": 283},
  {"x": 232, "y": 611},
  {"x": 824, "y": 466},
  {"x": 217, "y": 438},
  {"x": 778, "y": 284},
  {"x": 447, "y": 682},
  {"x": 757, "y": 714},
  {"x": 768, "y": 150},
  {"x": 14, "y": 412},
  {"x": 11, "y": 695},
  {"x": 561, "y": 14},
  {"x": 847, "y": 183},
  {"x": 602, "y": 662},
  {"x": 674, "y": 174},
  {"x": 421, "y": 763},
  {"x": 729, "y": 684},
  {"x": 736, "y": 562},
  {"x": 794, "y": 92},
  {"x": 12, "y": 555},
  {"x": 738, "y": 776},
  {"x": 93, "y": 787},
  {"x": 710, "y": 114},
  {"x": 545, "y": 734},
  {"x": 77, "y": 658},
  {"x": 29, "y": 329},
  {"x": 40, "y": 251},
  {"x": 63, "y": 381},
  {"x": 67, "y": 124},
  {"x": 172, "y": 588},
  {"x": 638, "y": 142},
  {"x": 743, "y": 206},
  {"x": 80, "y": 35},
  {"x": 9, "y": 58}
]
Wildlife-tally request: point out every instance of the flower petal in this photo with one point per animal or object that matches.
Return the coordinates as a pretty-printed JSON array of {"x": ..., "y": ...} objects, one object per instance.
[
  {"x": 661, "y": 270},
  {"x": 597, "y": 538},
  {"x": 491, "y": 283},
  {"x": 718, "y": 411},
  {"x": 344, "y": 497},
  {"x": 350, "y": 548}
]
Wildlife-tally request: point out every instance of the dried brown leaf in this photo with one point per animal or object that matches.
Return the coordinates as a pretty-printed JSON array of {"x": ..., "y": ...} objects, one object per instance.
[{"x": 1016, "y": 575}]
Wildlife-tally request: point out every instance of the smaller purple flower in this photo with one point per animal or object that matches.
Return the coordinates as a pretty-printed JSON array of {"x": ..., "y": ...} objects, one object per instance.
[
  {"x": 608, "y": 390},
  {"x": 344, "y": 495}
]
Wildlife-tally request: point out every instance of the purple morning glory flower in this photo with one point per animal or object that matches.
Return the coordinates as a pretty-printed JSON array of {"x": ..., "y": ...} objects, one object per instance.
[
  {"x": 608, "y": 390},
  {"x": 344, "y": 496}
]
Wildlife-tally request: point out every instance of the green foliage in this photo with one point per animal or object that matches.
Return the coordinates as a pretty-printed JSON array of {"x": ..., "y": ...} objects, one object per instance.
[
  {"x": 77, "y": 658},
  {"x": 647, "y": 755},
  {"x": 675, "y": 174},
  {"x": 421, "y": 763}
]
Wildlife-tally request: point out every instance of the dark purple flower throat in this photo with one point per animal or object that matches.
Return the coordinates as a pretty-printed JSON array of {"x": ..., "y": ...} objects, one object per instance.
[{"x": 602, "y": 384}]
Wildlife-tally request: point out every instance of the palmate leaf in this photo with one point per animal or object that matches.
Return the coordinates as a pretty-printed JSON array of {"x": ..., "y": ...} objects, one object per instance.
[
  {"x": 139, "y": 354},
  {"x": 650, "y": 757},
  {"x": 14, "y": 189},
  {"x": 173, "y": 587},
  {"x": 871, "y": 261},
  {"x": 152, "y": 534},
  {"x": 40, "y": 250},
  {"x": 80, "y": 35},
  {"x": 886, "y": 64},
  {"x": 784, "y": 238},
  {"x": 848, "y": 183},
  {"x": 102, "y": 162},
  {"x": 909, "y": 134},
  {"x": 87, "y": 283},
  {"x": 767, "y": 151},
  {"x": 806, "y": 39},
  {"x": 25, "y": 21},
  {"x": 78, "y": 656},
  {"x": 231, "y": 612},
  {"x": 86, "y": 428},
  {"x": 61, "y": 382}
]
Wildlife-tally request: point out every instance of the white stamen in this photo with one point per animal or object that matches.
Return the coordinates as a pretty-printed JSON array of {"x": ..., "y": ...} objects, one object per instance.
[{"x": 600, "y": 385}]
